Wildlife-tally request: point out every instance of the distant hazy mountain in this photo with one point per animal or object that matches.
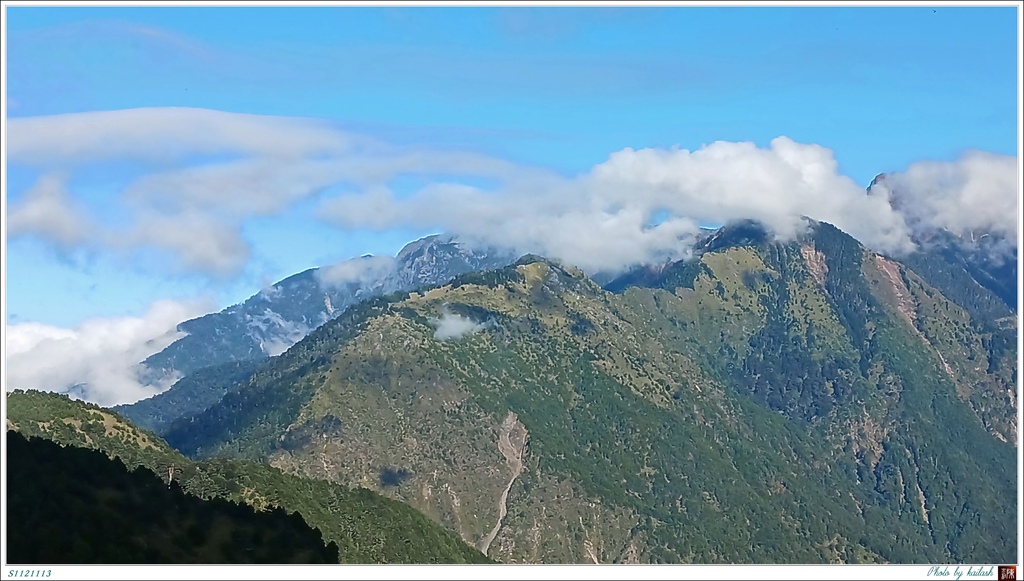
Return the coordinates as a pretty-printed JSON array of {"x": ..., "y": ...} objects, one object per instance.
[
  {"x": 274, "y": 319},
  {"x": 987, "y": 258}
]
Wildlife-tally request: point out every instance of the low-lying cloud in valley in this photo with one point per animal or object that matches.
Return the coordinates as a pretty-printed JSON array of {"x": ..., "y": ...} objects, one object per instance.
[{"x": 101, "y": 356}]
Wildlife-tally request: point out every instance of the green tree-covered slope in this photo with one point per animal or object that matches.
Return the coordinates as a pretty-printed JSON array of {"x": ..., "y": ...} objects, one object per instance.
[
  {"x": 792, "y": 402},
  {"x": 190, "y": 395},
  {"x": 366, "y": 527},
  {"x": 71, "y": 505}
]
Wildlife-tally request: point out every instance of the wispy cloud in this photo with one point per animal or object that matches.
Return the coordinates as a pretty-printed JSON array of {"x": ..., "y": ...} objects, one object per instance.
[
  {"x": 225, "y": 169},
  {"x": 47, "y": 210},
  {"x": 198, "y": 241},
  {"x": 100, "y": 356},
  {"x": 637, "y": 206},
  {"x": 159, "y": 57},
  {"x": 275, "y": 334},
  {"x": 360, "y": 271},
  {"x": 164, "y": 134},
  {"x": 194, "y": 211}
]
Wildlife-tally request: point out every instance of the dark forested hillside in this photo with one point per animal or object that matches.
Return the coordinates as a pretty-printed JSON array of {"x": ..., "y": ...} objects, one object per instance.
[
  {"x": 70, "y": 505},
  {"x": 191, "y": 394},
  {"x": 363, "y": 525}
]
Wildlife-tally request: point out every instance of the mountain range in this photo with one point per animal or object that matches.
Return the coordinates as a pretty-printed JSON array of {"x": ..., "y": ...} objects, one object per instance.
[
  {"x": 278, "y": 316},
  {"x": 764, "y": 401},
  {"x": 233, "y": 340}
]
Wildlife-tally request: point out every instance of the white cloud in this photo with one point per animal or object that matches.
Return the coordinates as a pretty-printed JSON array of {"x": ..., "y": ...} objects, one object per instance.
[
  {"x": 164, "y": 134},
  {"x": 46, "y": 210},
  {"x": 270, "y": 291},
  {"x": 453, "y": 326},
  {"x": 256, "y": 186},
  {"x": 277, "y": 335},
  {"x": 196, "y": 207},
  {"x": 198, "y": 240},
  {"x": 603, "y": 218},
  {"x": 362, "y": 270},
  {"x": 776, "y": 185},
  {"x": 101, "y": 353},
  {"x": 194, "y": 212},
  {"x": 977, "y": 192}
]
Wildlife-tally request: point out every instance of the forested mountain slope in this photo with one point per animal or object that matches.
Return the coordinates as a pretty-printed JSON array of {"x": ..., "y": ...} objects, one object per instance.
[
  {"x": 363, "y": 526},
  {"x": 71, "y": 505},
  {"x": 808, "y": 401}
]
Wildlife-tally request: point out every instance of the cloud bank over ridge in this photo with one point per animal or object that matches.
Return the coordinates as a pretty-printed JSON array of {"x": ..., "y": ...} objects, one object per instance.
[
  {"x": 636, "y": 206},
  {"x": 210, "y": 172},
  {"x": 977, "y": 192}
]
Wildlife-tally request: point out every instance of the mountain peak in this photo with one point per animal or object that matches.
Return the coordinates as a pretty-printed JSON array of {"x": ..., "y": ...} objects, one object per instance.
[
  {"x": 440, "y": 258},
  {"x": 531, "y": 258},
  {"x": 879, "y": 179},
  {"x": 737, "y": 233},
  {"x": 417, "y": 246},
  {"x": 798, "y": 357},
  {"x": 278, "y": 316}
]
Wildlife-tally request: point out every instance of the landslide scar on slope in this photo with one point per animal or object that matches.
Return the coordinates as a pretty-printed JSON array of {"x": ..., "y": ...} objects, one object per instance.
[
  {"x": 512, "y": 438},
  {"x": 906, "y": 305},
  {"x": 904, "y": 301},
  {"x": 815, "y": 262}
]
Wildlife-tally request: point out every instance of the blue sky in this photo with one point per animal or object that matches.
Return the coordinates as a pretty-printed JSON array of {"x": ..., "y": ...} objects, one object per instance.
[{"x": 552, "y": 90}]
